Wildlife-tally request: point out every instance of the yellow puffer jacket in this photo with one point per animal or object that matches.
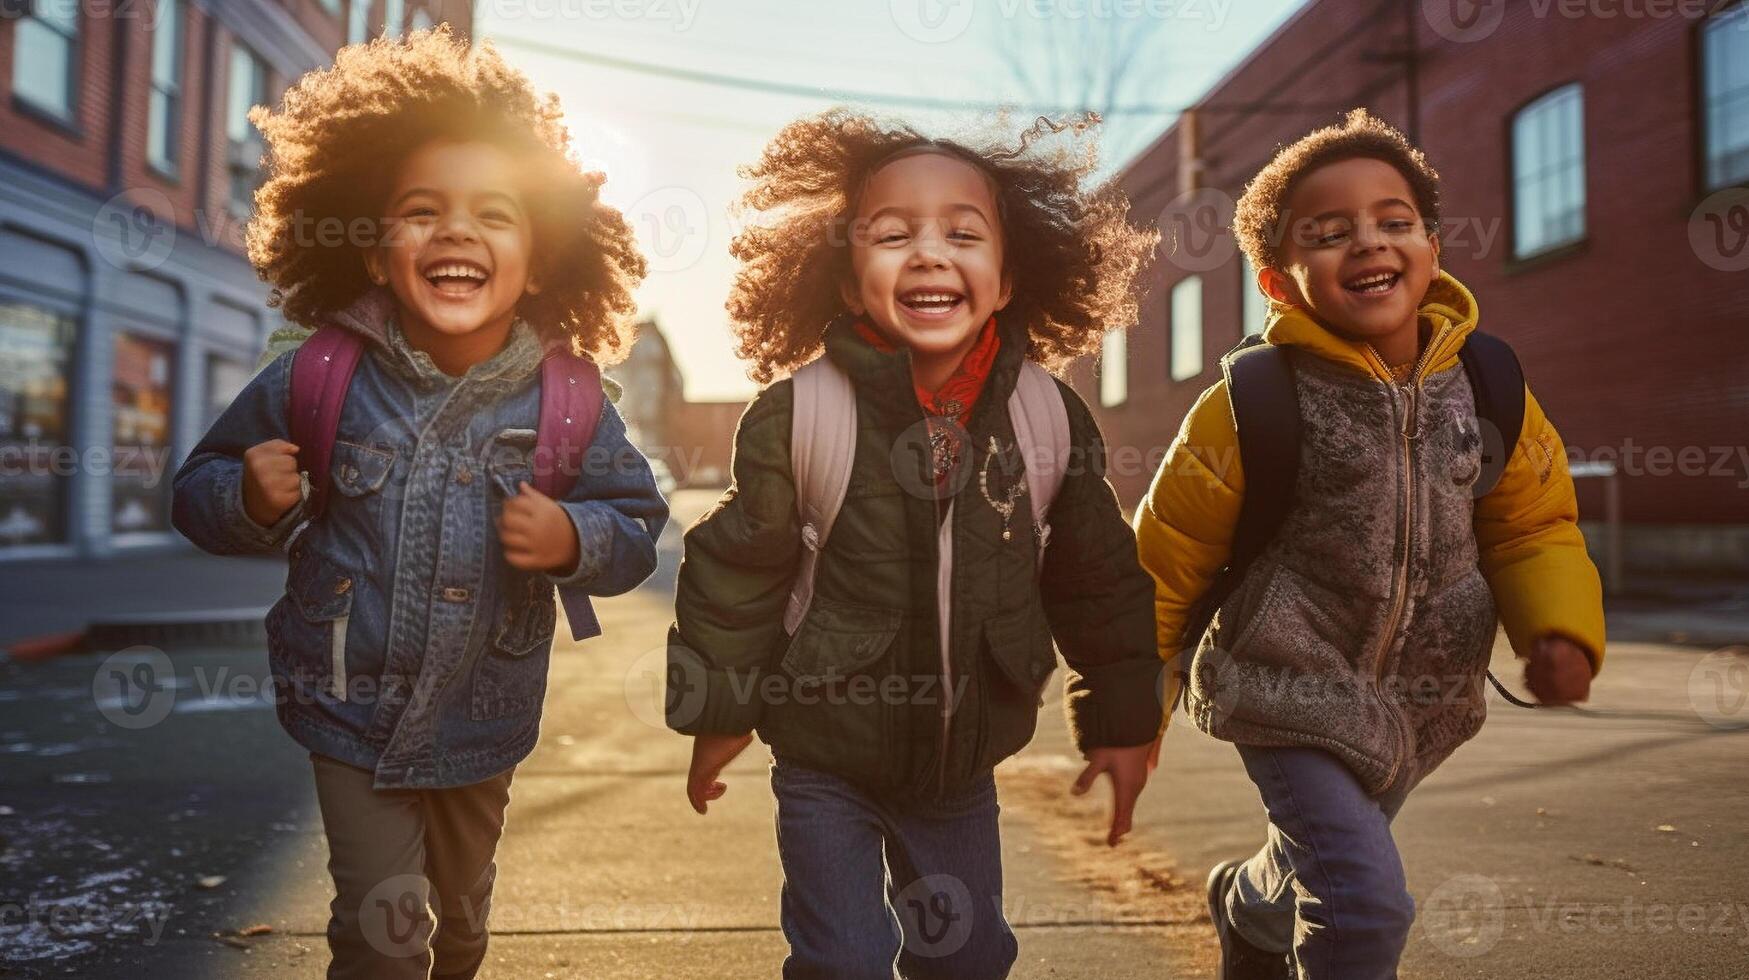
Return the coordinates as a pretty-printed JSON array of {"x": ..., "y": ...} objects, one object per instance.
[{"x": 1531, "y": 551}]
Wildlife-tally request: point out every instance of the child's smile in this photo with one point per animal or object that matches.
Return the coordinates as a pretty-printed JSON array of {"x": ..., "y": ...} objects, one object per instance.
[{"x": 926, "y": 255}]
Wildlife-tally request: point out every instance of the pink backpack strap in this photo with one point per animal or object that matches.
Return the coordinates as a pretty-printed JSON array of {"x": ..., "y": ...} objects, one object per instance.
[
  {"x": 1041, "y": 430},
  {"x": 570, "y": 410},
  {"x": 321, "y": 370}
]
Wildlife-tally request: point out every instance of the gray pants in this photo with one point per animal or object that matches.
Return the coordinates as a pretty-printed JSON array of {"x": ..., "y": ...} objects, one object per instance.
[
  {"x": 412, "y": 871},
  {"x": 1328, "y": 884}
]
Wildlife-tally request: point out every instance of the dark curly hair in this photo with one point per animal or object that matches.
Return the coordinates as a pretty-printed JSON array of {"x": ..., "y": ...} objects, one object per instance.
[
  {"x": 341, "y": 134},
  {"x": 1259, "y": 219},
  {"x": 1070, "y": 252}
]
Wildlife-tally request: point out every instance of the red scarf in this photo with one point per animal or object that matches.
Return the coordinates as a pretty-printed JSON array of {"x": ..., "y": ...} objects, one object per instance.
[{"x": 957, "y": 396}]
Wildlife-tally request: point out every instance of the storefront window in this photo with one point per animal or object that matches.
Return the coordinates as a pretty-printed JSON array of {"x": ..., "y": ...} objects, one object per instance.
[
  {"x": 225, "y": 379},
  {"x": 36, "y": 458},
  {"x": 141, "y": 497}
]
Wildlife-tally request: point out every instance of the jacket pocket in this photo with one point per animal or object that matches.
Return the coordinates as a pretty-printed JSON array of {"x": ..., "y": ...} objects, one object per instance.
[
  {"x": 322, "y": 593},
  {"x": 1017, "y": 660},
  {"x": 835, "y": 708},
  {"x": 512, "y": 675},
  {"x": 358, "y": 470}
]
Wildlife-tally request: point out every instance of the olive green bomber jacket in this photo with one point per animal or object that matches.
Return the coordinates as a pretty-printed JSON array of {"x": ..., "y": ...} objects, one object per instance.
[{"x": 859, "y": 689}]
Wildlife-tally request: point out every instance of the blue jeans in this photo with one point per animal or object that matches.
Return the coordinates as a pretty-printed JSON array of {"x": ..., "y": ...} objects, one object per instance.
[
  {"x": 1328, "y": 884},
  {"x": 872, "y": 881}
]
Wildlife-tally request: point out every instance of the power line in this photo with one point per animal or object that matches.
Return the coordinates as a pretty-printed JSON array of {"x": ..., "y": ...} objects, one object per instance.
[{"x": 883, "y": 98}]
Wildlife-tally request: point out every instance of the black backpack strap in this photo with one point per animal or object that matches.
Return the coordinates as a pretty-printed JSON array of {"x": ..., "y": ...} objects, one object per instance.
[
  {"x": 1497, "y": 384},
  {"x": 1266, "y": 416}
]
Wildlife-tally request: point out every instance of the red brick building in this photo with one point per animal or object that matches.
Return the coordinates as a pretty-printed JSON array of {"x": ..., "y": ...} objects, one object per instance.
[
  {"x": 128, "y": 314},
  {"x": 1596, "y": 197}
]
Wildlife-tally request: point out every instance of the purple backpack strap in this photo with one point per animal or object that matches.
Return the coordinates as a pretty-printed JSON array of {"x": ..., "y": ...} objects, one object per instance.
[
  {"x": 321, "y": 370},
  {"x": 570, "y": 410}
]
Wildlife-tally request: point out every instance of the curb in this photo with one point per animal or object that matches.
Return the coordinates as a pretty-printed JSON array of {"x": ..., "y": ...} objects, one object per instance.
[{"x": 197, "y": 628}]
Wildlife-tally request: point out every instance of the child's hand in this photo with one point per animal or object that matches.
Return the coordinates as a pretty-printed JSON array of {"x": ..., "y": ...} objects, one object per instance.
[
  {"x": 271, "y": 486},
  {"x": 710, "y": 753},
  {"x": 537, "y": 533},
  {"x": 1558, "y": 671},
  {"x": 1129, "y": 769}
]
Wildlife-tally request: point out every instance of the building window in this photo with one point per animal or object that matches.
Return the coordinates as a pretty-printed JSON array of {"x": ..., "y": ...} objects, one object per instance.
[
  {"x": 394, "y": 17},
  {"x": 248, "y": 87},
  {"x": 1187, "y": 329},
  {"x": 1725, "y": 95},
  {"x": 421, "y": 19},
  {"x": 332, "y": 6},
  {"x": 44, "y": 58},
  {"x": 225, "y": 379},
  {"x": 1114, "y": 369},
  {"x": 36, "y": 356},
  {"x": 358, "y": 21},
  {"x": 1253, "y": 305},
  {"x": 140, "y": 468},
  {"x": 165, "y": 112},
  {"x": 1548, "y": 172}
]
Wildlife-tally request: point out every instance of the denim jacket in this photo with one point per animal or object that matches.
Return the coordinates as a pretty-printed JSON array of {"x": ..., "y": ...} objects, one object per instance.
[{"x": 405, "y": 643}]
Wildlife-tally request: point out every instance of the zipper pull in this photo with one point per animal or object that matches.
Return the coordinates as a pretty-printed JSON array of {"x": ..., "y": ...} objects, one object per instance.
[{"x": 1412, "y": 413}]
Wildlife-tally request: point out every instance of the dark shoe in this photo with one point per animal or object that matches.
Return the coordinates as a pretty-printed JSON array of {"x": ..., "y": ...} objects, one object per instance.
[{"x": 1239, "y": 959}]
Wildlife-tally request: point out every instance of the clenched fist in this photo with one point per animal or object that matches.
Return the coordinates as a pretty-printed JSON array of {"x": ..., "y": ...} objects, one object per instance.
[
  {"x": 270, "y": 481},
  {"x": 537, "y": 533}
]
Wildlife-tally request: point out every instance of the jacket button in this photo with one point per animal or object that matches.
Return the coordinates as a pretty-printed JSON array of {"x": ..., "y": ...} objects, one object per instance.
[
  {"x": 453, "y": 593},
  {"x": 463, "y": 475},
  {"x": 343, "y": 586}
]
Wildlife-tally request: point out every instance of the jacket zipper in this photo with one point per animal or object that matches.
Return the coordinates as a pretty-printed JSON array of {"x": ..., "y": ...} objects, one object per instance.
[
  {"x": 1411, "y": 431},
  {"x": 943, "y": 612}
]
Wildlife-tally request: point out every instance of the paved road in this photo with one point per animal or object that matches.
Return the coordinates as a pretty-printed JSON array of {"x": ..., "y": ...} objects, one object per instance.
[{"x": 1557, "y": 845}]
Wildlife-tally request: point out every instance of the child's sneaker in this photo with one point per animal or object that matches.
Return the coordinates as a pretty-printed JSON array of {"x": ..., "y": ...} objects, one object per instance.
[{"x": 1239, "y": 959}]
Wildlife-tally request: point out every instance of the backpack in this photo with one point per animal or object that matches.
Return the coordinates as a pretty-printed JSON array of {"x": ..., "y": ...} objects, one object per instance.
[
  {"x": 823, "y": 446},
  {"x": 1266, "y": 415},
  {"x": 570, "y": 408}
]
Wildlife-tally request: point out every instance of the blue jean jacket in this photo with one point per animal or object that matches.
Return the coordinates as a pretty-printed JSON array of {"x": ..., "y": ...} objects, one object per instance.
[{"x": 405, "y": 643}]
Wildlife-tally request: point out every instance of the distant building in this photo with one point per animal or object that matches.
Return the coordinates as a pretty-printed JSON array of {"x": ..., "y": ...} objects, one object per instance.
[
  {"x": 692, "y": 440},
  {"x": 1596, "y": 199},
  {"x": 128, "y": 315}
]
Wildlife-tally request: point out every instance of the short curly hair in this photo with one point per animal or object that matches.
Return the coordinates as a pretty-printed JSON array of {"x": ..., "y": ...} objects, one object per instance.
[
  {"x": 1258, "y": 221},
  {"x": 1070, "y": 251},
  {"x": 340, "y": 135}
]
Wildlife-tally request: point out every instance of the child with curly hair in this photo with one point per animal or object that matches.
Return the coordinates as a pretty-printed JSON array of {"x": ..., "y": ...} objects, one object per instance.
[
  {"x": 422, "y": 204},
  {"x": 927, "y": 272},
  {"x": 1342, "y": 643}
]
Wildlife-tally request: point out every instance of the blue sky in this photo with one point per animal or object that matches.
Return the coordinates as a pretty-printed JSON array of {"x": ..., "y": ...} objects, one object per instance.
[{"x": 670, "y": 142}]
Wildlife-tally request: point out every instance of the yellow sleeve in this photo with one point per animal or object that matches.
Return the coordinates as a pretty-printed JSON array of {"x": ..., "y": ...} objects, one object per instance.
[
  {"x": 1184, "y": 528},
  {"x": 1527, "y": 530}
]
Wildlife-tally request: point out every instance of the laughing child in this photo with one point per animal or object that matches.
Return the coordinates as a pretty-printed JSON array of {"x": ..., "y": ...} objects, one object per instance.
[
  {"x": 422, "y": 197},
  {"x": 928, "y": 271},
  {"x": 1347, "y": 663}
]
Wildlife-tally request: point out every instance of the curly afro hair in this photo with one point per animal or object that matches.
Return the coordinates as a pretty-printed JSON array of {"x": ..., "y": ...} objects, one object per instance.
[
  {"x": 1070, "y": 252},
  {"x": 341, "y": 134},
  {"x": 1260, "y": 218}
]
